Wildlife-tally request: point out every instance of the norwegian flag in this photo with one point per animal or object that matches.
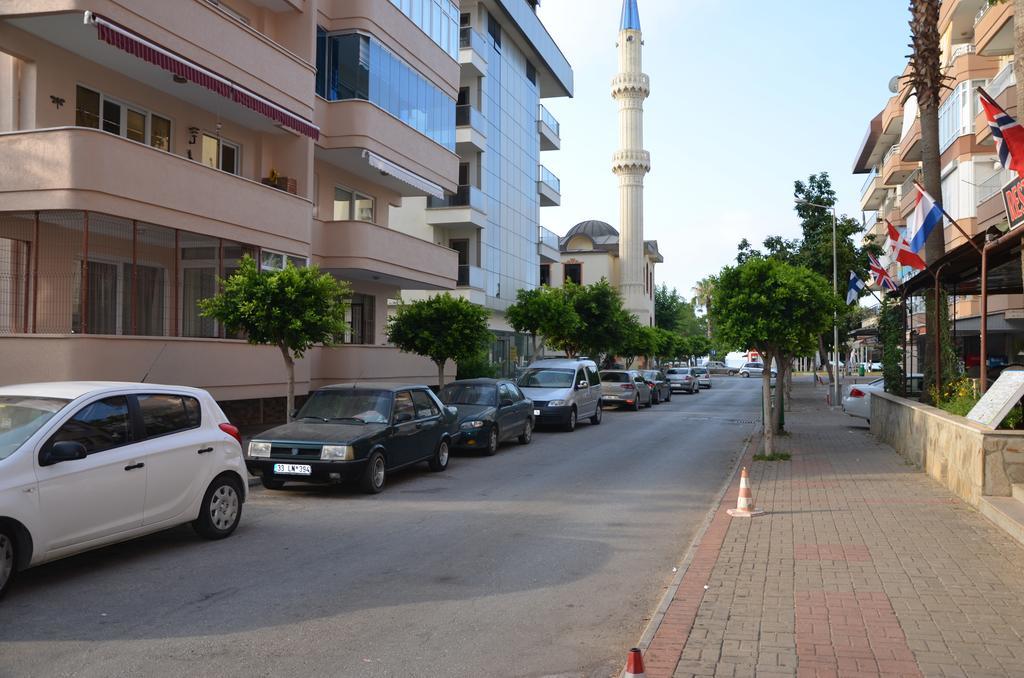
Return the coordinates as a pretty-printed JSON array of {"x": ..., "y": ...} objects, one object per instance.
[
  {"x": 881, "y": 276},
  {"x": 898, "y": 248},
  {"x": 1006, "y": 132}
]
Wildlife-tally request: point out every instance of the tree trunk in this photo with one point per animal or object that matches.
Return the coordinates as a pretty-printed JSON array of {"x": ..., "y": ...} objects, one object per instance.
[
  {"x": 789, "y": 384},
  {"x": 289, "y": 364},
  {"x": 825, "y": 359},
  {"x": 440, "y": 374},
  {"x": 1018, "y": 55},
  {"x": 768, "y": 423}
]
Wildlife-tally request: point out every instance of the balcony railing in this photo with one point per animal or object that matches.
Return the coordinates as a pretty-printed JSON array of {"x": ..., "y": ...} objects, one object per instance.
[
  {"x": 550, "y": 179},
  {"x": 1002, "y": 80},
  {"x": 470, "y": 39},
  {"x": 992, "y": 185},
  {"x": 470, "y": 276},
  {"x": 869, "y": 182},
  {"x": 548, "y": 238},
  {"x": 549, "y": 120},
  {"x": 464, "y": 196},
  {"x": 908, "y": 185},
  {"x": 960, "y": 50},
  {"x": 981, "y": 13},
  {"x": 894, "y": 150},
  {"x": 468, "y": 116}
]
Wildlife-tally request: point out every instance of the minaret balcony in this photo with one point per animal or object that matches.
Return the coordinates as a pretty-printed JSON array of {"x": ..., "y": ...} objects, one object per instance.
[
  {"x": 631, "y": 84},
  {"x": 549, "y": 188},
  {"x": 627, "y": 162},
  {"x": 549, "y": 129}
]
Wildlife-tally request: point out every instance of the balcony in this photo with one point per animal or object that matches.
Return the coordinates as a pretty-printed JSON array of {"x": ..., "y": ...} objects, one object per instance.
[
  {"x": 547, "y": 246},
  {"x": 470, "y": 130},
  {"x": 472, "y": 51},
  {"x": 873, "y": 192},
  {"x": 1003, "y": 89},
  {"x": 910, "y": 145},
  {"x": 894, "y": 170},
  {"x": 57, "y": 169},
  {"x": 201, "y": 32},
  {"x": 908, "y": 192},
  {"x": 549, "y": 187},
  {"x": 471, "y": 277},
  {"x": 360, "y": 250},
  {"x": 550, "y": 130},
  {"x": 465, "y": 207},
  {"x": 993, "y": 29}
]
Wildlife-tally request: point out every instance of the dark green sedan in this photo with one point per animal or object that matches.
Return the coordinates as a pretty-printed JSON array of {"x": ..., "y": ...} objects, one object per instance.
[
  {"x": 490, "y": 412},
  {"x": 359, "y": 433}
]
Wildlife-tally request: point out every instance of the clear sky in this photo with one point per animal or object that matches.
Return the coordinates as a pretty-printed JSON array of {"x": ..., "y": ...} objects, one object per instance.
[{"x": 746, "y": 97}]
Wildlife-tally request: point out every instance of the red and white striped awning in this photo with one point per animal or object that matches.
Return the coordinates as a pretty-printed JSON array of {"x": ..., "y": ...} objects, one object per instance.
[{"x": 146, "y": 50}]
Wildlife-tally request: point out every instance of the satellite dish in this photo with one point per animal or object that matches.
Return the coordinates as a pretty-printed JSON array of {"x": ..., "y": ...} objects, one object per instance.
[{"x": 894, "y": 84}]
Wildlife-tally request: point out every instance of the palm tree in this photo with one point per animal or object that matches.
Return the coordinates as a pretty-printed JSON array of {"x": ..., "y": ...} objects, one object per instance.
[
  {"x": 926, "y": 81},
  {"x": 702, "y": 293}
]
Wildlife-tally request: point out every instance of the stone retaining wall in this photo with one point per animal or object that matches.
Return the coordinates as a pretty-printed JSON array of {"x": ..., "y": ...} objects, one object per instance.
[{"x": 969, "y": 459}]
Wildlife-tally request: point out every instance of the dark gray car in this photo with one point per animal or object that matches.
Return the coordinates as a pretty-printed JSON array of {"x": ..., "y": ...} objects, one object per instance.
[{"x": 661, "y": 390}]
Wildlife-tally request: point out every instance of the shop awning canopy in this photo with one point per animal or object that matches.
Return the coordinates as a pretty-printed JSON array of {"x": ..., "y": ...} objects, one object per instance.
[{"x": 138, "y": 46}]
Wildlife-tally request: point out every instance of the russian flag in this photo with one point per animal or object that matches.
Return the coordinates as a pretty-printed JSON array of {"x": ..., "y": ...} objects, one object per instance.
[{"x": 926, "y": 215}]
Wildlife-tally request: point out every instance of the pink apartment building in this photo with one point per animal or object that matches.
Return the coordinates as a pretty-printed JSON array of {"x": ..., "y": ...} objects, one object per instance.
[{"x": 146, "y": 146}]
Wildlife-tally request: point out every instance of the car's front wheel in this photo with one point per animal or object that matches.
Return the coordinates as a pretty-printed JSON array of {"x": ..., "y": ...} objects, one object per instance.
[
  {"x": 221, "y": 509},
  {"x": 527, "y": 435},
  {"x": 8, "y": 559},
  {"x": 439, "y": 461},
  {"x": 492, "y": 442},
  {"x": 374, "y": 475},
  {"x": 570, "y": 423}
]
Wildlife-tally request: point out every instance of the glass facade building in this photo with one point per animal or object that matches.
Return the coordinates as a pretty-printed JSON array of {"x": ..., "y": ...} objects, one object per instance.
[
  {"x": 356, "y": 66},
  {"x": 437, "y": 18}
]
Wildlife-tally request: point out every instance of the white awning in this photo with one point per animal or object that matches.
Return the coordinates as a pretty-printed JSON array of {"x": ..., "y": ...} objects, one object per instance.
[{"x": 405, "y": 176}]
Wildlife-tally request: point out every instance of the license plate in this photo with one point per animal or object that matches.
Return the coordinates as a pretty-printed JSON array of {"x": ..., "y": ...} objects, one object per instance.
[
  {"x": 536, "y": 413},
  {"x": 293, "y": 469}
]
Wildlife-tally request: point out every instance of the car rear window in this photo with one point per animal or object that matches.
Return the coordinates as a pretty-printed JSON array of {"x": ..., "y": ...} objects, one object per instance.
[
  {"x": 616, "y": 377},
  {"x": 164, "y": 413},
  {"x": 674, "y": 371},
  {"x": 700, "y": 370}
]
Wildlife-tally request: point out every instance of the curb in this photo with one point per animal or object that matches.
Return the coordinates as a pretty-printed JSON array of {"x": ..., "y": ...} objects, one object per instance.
[{"x": 666, "y": 600}]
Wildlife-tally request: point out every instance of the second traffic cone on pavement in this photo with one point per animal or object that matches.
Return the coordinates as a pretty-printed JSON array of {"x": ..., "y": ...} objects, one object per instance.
[
  {"x": 745, "y": 500},
  {"x": 634, "y": 665}
]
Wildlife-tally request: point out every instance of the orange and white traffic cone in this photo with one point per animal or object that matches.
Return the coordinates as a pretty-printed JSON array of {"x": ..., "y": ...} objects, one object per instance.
[
  {"x": 745, "y": 500},
  {"x": 634, "y": 665}
]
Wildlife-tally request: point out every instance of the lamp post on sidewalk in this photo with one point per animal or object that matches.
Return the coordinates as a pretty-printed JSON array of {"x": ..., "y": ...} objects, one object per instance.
[{"x": 835, "y": 290}]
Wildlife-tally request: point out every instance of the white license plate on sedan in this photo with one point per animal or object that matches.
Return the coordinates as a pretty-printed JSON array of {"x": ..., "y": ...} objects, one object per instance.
[
  {"x": 293, "y": 469},
  {"x": 536, "y": 413}
]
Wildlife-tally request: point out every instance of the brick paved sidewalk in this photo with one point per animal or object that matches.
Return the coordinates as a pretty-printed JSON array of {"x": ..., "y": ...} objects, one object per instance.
[{"x": 863, "y": 567}]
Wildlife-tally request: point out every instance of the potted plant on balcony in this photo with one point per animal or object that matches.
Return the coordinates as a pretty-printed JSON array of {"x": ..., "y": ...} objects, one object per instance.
[{"x": 286, "y": 184}]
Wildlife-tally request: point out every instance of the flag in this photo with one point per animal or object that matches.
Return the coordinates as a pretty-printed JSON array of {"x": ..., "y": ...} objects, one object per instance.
[
  {"x": 899, "y": 250},
  {"x": 882, "y": 277},
  {"x": 925, "y": 217},
  {"x": 1006, "y": 132},
  {"x": 854, "y": 290}
]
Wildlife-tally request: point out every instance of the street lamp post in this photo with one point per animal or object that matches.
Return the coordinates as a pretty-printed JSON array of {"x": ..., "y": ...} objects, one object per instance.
[{"x": 835, "y": 290}]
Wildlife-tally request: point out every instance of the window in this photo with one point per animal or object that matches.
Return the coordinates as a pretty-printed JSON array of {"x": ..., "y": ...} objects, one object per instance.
[
  {"x": 574, "y": 273},
  {"x": 220, "y": 154},
  {"x": 531, "y": 73},
  {"x": 352, "y": 206},
  {"x": 99, "y": 426},
  {"x": 425, "y": 407},
  {"x": 545, "y": 274},
  {"x": 404, "y": 409},
  {"x": 362, "y": 314},
  {"x": 98, "y": 111},
  {"x": 276, "y": 261},
  {"x": 595, "y": 376},
  {"x": 494, "y": 29},
  {"x": 165, "y": 414}
]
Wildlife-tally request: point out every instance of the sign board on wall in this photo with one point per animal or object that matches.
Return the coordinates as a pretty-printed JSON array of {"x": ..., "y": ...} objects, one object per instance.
[
  {"x": 999, "y": 399},
  {"x": 1013, "y": 202}
]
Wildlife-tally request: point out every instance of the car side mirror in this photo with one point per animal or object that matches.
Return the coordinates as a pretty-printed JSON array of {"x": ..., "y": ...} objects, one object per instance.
[
  {"x": 582, "y": 385},
  {"x": 452, "y": 410},
  {"x": 403, "y": 417},
  {"x": 506, "y": 402},
  {"x": 294, "y": 413},
  {"x": 65, "y": 450}
]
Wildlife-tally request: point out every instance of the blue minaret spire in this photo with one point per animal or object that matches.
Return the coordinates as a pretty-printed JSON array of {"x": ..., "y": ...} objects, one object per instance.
[{"x": 630, "y": 16}]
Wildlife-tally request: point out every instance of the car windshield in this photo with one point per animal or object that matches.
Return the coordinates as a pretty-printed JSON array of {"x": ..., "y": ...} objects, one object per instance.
[
  {"x": 21, "y": 416},
  {"x": 362, "y": 405},
  {"x": 546, "y": 377},
  {"x": 469, "y": 394}
]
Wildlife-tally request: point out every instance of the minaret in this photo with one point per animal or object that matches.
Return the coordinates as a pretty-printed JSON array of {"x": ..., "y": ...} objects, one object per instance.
[{"x": 631, "y": 163}]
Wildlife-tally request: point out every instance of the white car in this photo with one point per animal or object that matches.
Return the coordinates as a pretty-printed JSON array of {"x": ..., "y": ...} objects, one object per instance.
[
  {"x": 86, "y": 464},
  {"x": 857, "y": 399}
]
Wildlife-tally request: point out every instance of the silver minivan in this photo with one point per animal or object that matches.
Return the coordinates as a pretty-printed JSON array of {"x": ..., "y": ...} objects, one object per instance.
[{"x": 563, "y": 391}]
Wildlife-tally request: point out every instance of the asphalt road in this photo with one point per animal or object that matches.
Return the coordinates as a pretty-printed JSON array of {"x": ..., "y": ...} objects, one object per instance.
[{"x": 545, "y": 560}]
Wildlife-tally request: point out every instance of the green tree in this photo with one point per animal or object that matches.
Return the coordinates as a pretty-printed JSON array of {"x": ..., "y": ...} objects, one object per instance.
[
  {"x": 293, "y": 309},
  {"x": 668, "y": 308},
  {"x": 890, "y": 333},
  {"x": 603, "y": 320},
  {"x": 703, "y": 291},
  {"x": 546, "y": 313},
  {"x": 441, "y": 328},
  {"x": 639, "y": 340},
  {"x": 777, "y": 308}
]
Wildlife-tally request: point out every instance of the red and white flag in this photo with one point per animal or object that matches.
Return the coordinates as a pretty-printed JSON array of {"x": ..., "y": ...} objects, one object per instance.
[
  {"x": 881, "y": 276},
  {"x": 1006, "y": 132},
  {"x": 898, "y": 248}
]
